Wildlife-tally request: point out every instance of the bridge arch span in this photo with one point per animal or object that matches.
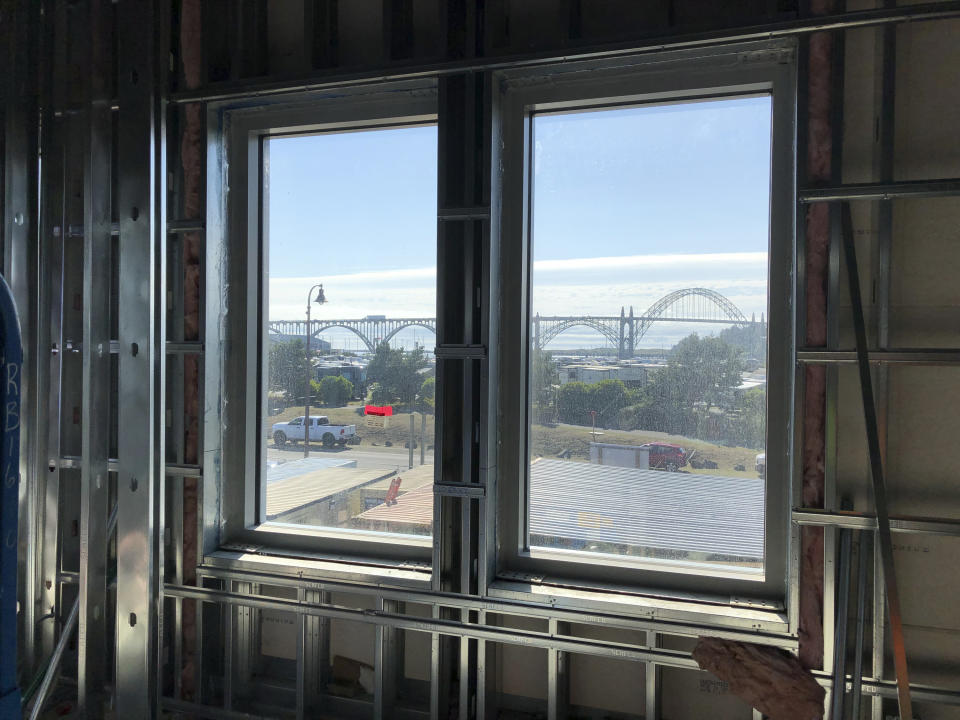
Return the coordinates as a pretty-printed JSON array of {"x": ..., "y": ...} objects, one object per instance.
[
  {"x": 660, "y": 310},
  {"x": 553, "y": 329},
  {"x": 389, "y": 336},
  {"x": 326, "y": 326}
]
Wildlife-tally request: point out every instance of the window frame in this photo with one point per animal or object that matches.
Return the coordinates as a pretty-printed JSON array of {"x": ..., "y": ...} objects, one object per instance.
[
  {"x": 654, "y": 78},
  {"x": 236, "y": 319}
]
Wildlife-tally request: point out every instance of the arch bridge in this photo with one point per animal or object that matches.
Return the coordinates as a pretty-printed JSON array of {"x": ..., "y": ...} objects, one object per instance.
[
  {"x": 693, "y": 305},
  {"x": 371, "y": 330}
]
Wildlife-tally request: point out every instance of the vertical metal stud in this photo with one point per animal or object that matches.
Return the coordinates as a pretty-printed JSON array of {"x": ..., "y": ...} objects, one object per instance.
[
  {"x": 385, "y": 665},
  {"x": 95, "y": 431},
  {"x": 558, "y": 681},
  {"x": 20, "y": 21},
  {"x": 42, "y": 526},
  {"x": 141, "y": 362},
  {"x": 883, "y": 219},
  {"x": 653, "y": 681},
  {"x": 301, "y": 653}
]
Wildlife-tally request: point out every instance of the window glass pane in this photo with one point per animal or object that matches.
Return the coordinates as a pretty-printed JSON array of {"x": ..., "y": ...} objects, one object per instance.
[
  {"x": 356, "y": 213},
  {"x": 647, "y": 400}
]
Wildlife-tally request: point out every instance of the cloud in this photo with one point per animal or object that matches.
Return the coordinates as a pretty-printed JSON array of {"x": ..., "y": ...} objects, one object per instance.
[
  {"x": 577, "y": 286},
  {"x": 652, "y": 262}
]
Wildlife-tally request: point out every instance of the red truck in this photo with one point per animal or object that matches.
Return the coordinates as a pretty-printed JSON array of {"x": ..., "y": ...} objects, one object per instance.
[{"x": 665, "y": 456}]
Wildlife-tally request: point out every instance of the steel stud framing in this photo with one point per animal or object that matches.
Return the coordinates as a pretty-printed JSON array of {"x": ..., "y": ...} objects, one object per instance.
[{"x": 64, "y": 336}]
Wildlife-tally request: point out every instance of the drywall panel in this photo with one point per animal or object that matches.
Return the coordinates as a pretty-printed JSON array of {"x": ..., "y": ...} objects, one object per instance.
[
  {"x": 353, "y": 640},
  {"x": 924, "y": 455},
  {"x": 278, "y": 630},
  {"x": 617, "y": 18},
  {"x": 416, "y": 647},
  {"x": 925, "y": 267},
  {"x": 607, "y": 684},
  {"x": 285, "y": 38},
  {"x": 360, "y": 28},
  {"x": 927, "y": 100},
  {"x": 522, "y": 671},
  {"x": 861, "y": 62}
]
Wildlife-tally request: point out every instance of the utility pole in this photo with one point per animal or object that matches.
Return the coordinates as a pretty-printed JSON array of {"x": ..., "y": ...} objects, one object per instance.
[
  {"x": 423, "y": 436},
  {"x": 413, "y": 440},
  {"x": 319, "y": 300}
]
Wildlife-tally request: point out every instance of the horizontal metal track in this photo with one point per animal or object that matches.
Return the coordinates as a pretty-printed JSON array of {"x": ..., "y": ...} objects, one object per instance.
[
  {"x": 882, "y": 191},
  {"x": 929, "y": 356},
  {"x": 73, "y": 462},
  {"x": 237, "y": 90},
  {"x": 463, "y": 213},
  {"x": 170, "y": 348},
  {"x": 474, "y": 491},
  {"x": 888, "y": 689},
  {"x": 862, "y": 521},
  {"x": 332, "y": 704},
  {"x": 183, "y": 348},
  {"x": 454, "y": 628},
  {"x": 461, "y": 352},
  {"x": 174, "y": 226},
  {"x": 185, "y": 226},
  {"x": 506, "y": 607},
  {"x": 205, "y": 711},
  {"x": 919, "y": 693}
]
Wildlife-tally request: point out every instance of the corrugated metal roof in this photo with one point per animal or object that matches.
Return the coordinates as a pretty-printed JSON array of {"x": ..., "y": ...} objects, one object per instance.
[
  {"x": 292, "y": 468},
  {"x": 310, "y": 487},
  {"x": 412, "y": 508},
  {"x": 626, "y": 506},
  {"x": 647, "y": 508}
]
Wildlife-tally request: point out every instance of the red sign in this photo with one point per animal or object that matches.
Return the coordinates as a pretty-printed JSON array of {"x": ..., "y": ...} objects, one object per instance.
[
  {"x": 381, "y": 410},
  {"x": 393, "y": 491}
]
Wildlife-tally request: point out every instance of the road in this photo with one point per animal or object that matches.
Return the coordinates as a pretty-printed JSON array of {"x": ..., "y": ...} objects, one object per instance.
[{"x": 366, "y": 457}]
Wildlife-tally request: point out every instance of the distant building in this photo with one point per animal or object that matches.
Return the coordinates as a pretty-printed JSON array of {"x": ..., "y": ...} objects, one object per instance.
[
  {"x": 352, "y": 371},
  {"x": 631, "y": 374}
]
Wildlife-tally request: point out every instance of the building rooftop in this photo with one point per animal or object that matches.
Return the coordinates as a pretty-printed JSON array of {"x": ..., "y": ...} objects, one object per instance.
[{"x": 626, "y": 506}]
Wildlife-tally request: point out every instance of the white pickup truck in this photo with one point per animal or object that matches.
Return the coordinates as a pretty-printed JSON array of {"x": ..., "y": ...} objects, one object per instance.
[{"x": 321, "y": 431}]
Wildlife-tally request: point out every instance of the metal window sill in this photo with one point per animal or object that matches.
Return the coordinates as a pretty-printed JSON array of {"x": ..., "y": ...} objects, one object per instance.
[
  {"x": 700, "y": 612},
  {"x": 233, "y": 562}
]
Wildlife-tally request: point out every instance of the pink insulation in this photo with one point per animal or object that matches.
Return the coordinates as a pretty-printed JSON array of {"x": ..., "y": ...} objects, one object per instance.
[
  {"x": 771, "y": 680},
  {"x": 819, "y": 155}
]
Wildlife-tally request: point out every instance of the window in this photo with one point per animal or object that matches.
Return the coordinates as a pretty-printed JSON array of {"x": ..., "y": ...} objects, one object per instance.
[
  {"x": 647, "y": 222},
  {"x": 350, "y": 233},
  {"x": 331, "y": 251}
]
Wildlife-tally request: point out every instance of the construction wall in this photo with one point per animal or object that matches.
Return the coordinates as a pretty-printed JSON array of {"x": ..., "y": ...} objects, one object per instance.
[{"x": 268, "y": 660}]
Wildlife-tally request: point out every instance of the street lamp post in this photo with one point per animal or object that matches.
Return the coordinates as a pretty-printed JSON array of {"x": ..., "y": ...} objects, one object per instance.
[{"x": 320, "y": 299}]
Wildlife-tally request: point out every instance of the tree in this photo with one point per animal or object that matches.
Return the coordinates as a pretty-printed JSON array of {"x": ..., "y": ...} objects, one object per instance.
[
  {"x": 700, "y": 374},
  {"x": 379, "y": 394},
  {"x": 573, "y": 403},
  {"x": 397, "y": 371},
  {"x": 708, "y": 369},
  {"x": 607, "y": 398},
  {"x": 543, "y": 378},
  {"x": 748, "y": 424},
  {"x": 335, "y": 390},
  {"x": 287, "y": 371},
  {"x": 428, "y": 392}
]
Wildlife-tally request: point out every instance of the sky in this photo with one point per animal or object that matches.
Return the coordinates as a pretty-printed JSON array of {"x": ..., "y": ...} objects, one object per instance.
[{"x": 628, "y": 205}]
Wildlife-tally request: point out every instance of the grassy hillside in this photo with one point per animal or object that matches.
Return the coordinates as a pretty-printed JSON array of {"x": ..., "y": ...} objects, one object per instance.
[{"x": 547, "y": 441}]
